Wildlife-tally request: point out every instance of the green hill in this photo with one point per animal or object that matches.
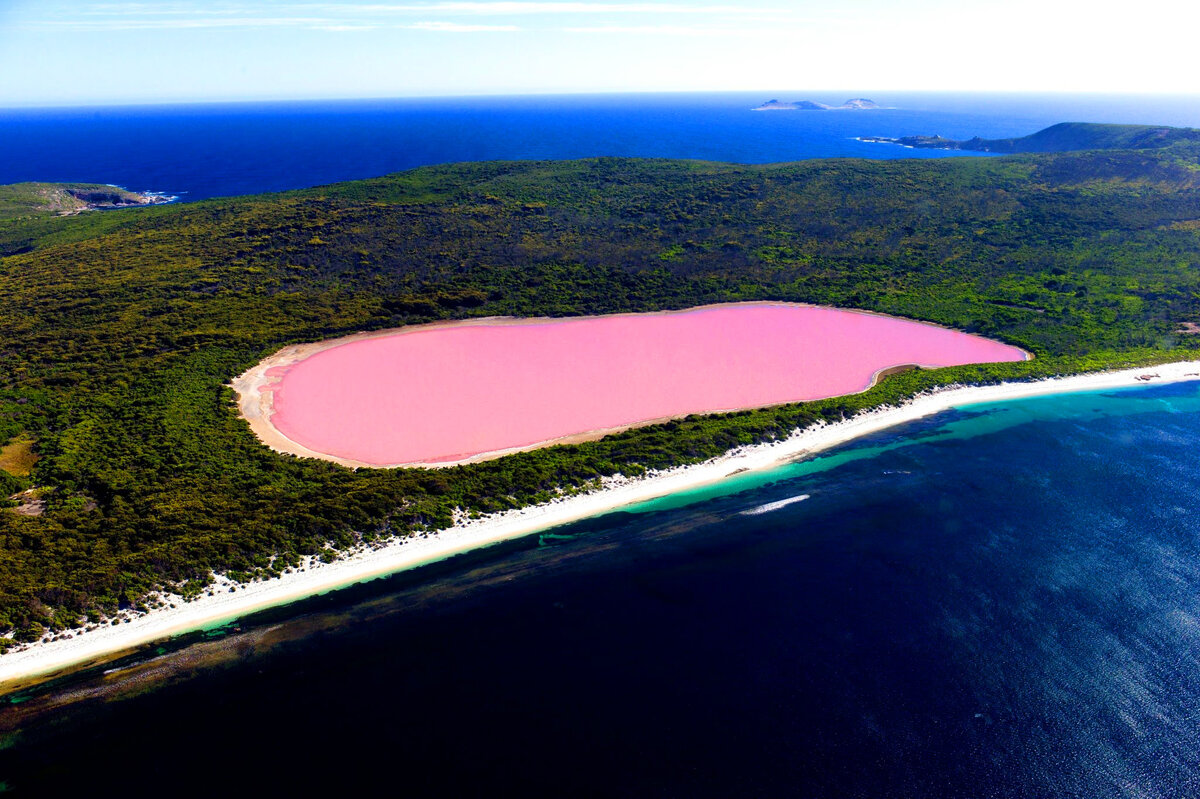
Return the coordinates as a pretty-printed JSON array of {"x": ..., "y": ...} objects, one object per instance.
[
  {"x": 1063, "y": 137},
  {"x": 119, "y": 332}
]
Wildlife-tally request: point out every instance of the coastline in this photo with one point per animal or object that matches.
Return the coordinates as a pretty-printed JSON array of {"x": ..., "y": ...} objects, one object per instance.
[{"x": 229, "y": 601}]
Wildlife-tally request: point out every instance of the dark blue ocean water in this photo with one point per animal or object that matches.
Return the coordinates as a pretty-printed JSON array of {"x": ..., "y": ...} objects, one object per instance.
[
  {"x": 1000, "y": 601},
  {"x": 216, "y": 150}
]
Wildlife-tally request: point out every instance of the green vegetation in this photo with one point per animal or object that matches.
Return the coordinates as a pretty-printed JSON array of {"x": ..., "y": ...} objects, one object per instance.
[
  {"x": 120, "y": 331},
  {"x": 1065, "y": 137}
]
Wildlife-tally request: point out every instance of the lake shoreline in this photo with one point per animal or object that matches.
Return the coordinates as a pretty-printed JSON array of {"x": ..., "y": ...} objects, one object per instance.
[
  {"x": 227, "y": 601},
  {"x": 256, "y": 388}
]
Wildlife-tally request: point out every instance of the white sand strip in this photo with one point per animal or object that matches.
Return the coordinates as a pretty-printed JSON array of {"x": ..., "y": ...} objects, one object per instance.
[{"x": 42, "y": 658}]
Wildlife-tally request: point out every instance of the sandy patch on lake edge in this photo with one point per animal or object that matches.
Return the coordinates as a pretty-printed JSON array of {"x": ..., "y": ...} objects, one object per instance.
[
  {"x": 255, "y": 388},
  {"x": 109, "y": 641}
]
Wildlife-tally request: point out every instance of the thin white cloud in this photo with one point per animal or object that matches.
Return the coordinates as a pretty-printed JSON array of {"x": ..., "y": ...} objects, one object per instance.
[
  {"x": 159, "y": 8},
  {"x": 123, "y": 23},
  {"x": 781, "y": 32},
  {"x": 310, "y": 23},
  {"x": 134, "y": 16},
  {"x": 454, "y": 27},
  {"x": 506, "y": 8},
  {"x": 455, "y": 7},
  {"x": 650, "y": 30},
  {"x": 343, "y": 28}
]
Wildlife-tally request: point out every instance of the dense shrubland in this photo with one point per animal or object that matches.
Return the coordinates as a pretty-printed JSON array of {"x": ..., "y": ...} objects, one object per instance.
[{"x": 120, "y": 330}]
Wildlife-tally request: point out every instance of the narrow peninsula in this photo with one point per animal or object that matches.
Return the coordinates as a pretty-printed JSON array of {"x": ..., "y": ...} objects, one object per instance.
[{"x": 1063, "y": 137}]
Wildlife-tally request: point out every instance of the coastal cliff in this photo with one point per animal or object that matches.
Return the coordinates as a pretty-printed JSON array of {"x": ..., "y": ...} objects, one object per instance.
[{"x": 67, "y": 199}]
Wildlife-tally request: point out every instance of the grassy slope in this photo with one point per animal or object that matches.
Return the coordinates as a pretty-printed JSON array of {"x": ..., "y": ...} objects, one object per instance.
[
  {"x": 118, "y": 332},
  {"x": 17, "y": 457}
]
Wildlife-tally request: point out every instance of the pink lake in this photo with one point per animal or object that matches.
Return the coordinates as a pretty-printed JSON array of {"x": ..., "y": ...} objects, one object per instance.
[{"x": 448, "y": 393}]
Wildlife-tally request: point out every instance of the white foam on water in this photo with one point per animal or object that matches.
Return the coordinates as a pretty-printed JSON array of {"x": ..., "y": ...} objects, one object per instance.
[{"x": 770, "y": 506}]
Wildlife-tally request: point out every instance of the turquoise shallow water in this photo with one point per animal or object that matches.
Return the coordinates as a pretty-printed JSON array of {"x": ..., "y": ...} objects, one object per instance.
[
  {"x": 962, "y": 423},
  {"x": 1000, "y": 601}
]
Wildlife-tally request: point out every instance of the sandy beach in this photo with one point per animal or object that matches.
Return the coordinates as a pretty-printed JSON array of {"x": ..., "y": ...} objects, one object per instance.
[{"x": 229, "y": 601}]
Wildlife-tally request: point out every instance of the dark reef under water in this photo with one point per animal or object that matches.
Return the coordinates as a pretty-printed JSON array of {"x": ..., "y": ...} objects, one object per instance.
[{"x": 1001, "y": 601}]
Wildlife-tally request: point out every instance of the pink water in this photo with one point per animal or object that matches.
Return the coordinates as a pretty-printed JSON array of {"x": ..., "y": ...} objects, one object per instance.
[{"x": 450, "y": 393}]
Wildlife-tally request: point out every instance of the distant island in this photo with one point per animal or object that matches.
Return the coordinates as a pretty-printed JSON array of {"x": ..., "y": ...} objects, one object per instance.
[
  {"x": 1063, "y": 137},
  {"x": 855, "y": 104},
  {"x": 68, "y": 199}
]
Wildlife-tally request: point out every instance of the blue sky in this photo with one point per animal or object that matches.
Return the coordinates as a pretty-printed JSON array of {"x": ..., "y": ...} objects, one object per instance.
[{"x": 59, "y": 52}]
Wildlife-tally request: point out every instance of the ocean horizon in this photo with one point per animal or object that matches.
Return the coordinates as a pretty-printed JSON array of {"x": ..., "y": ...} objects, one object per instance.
[{"x": 198, "y": 151}]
